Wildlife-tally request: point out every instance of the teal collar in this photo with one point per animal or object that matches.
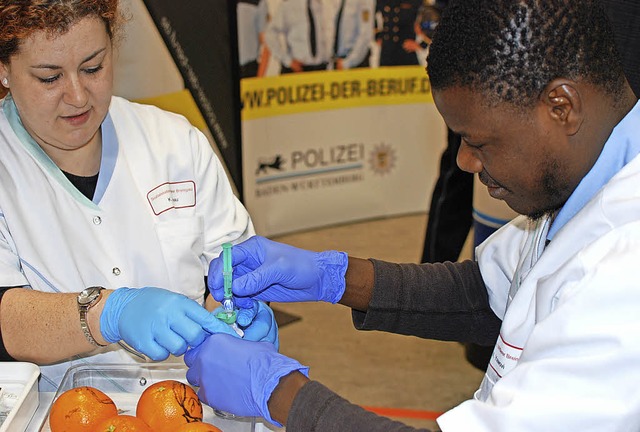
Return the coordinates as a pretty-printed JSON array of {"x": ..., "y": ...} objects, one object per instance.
[{"x": 107, "y": 163}]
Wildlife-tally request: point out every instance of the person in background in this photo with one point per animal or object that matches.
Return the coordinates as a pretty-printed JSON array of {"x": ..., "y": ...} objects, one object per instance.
[
  {"x": 353, "y": 34},
  {"x": 110, "y": 211},
  {"x": 450, "y": 209},
  {"x": 396, "y": 26},
  {"x": 299, "y": 35},
  {"x": 252, "y": 19},
  {"x": 426, "y": 23},
  {"x": 537, "y": 92}
]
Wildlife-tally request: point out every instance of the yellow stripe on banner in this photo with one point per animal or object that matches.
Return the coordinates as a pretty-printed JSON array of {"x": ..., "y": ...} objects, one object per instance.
[
  {"x": 320, "y": 91},
  {"x": 180, "y": 103}
]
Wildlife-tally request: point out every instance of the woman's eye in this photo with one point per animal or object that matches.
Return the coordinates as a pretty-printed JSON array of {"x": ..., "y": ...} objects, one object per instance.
[
  {"x": 49, "y": 80},
  {"x": 93, "y": 70}
]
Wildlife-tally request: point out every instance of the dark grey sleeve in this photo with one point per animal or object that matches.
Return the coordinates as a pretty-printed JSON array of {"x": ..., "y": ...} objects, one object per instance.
[
  {"x": 442, "y": 301},
  {"x": 318, "y": 409}
]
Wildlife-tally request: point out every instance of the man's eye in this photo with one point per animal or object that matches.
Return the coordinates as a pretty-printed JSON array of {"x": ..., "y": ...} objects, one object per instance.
[{"x": 473, "y": 145}]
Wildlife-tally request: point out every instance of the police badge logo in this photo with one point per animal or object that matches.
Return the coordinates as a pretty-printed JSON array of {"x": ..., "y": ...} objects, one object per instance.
[{"x": 382, "y": 159}]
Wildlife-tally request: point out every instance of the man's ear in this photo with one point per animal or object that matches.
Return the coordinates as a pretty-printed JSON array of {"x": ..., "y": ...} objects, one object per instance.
[{"x": 564, "y": 104}]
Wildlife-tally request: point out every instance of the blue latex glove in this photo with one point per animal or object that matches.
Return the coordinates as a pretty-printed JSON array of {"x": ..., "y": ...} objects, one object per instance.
[
  {"x": 157, "y": 322},
  {"x": 270, "y": 271},
  {"x": 257, "y": 322},
  {"x": 238, "y": 376}
]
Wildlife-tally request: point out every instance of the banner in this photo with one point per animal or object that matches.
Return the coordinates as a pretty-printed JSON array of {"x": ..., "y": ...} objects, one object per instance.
[
  {"x": 326, "y": 148},
  {"x": 201, "y": 37},
  {"x": 338, "y": 122}
]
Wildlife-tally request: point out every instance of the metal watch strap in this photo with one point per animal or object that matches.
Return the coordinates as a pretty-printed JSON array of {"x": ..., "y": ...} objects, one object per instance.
[{"x": 84, "y": 309}]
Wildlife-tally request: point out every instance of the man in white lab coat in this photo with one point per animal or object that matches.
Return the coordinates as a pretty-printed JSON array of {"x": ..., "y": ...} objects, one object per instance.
[{"x": 537, "y": 92}]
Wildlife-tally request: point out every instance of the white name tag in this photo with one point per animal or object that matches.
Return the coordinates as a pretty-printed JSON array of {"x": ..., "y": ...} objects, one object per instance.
[
  {"x": 172, "y": 195},
  {"x": 504, "y": 358}
]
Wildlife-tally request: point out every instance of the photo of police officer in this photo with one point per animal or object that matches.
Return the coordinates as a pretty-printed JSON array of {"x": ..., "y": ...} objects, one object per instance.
[
  {"x": 298, "y": 35},
  {"x": 313, "y": 35},
  {"x": 354, "y": 34},
  {"x": 426, "y": 23},
  {"x": 252, "y": 16},
  {"x": 285, "y": 36},
  {"x": 395, "y": 26}
]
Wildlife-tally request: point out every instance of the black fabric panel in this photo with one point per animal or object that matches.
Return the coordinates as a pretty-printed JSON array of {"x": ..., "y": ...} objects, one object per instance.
[{"x": 4, "y": 355}]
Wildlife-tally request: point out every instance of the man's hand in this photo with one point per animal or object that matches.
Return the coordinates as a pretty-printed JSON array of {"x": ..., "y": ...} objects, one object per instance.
[
  {"x": 270, "y": 271},
  {"x": 238, "y": 376}
]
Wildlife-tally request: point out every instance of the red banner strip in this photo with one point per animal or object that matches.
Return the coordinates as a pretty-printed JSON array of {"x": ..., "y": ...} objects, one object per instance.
[{"x": 404, "y": 413}]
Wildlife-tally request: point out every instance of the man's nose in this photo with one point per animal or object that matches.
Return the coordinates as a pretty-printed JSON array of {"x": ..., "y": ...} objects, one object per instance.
[{"x": 467, "y": 160}]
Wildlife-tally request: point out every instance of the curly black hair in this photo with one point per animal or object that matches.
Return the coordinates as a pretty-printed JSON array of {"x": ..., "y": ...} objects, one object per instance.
[{"x": 509, "y": 50}]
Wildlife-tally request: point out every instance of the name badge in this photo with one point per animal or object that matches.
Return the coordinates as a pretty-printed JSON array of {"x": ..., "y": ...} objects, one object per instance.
[
  {"x": 172, "y": 195},
  {"x": 504, "y": 358}
]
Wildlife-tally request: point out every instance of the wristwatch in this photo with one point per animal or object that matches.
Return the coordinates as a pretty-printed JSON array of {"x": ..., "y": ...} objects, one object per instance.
[{"x": 87, "y": 299}]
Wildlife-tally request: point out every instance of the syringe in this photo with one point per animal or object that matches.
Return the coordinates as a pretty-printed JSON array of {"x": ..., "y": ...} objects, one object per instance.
[{"x": 229, "y": 314}]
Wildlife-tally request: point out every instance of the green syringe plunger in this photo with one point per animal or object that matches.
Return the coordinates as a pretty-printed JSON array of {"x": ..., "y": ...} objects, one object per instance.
[{"x": 229, "y": 313}]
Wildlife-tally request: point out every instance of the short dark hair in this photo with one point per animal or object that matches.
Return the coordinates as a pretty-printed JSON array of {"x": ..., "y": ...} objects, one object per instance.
[{"x": 509, "y": 50}]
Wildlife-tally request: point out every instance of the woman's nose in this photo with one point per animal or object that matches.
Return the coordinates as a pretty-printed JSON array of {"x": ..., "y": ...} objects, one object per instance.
[
  {"x": 76, "y": 94},
  {"x": 467, "y": 160}
]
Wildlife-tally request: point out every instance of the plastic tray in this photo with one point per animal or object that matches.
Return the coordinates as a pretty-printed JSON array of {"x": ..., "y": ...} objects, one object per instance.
[
  {"x": 124, "y": 383},
  {"x": 19, "y": 399}
]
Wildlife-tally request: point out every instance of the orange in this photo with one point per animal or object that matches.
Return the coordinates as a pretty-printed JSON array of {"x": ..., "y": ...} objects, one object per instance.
[
  {"x": 166, "y": 405},
  {"x": 80, "y": 409},
  {"x": 122, "y": 423},
  {"x": 198, "y": 427}
]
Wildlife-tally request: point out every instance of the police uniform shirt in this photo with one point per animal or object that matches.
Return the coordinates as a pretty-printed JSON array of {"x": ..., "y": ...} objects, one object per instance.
[
  {"x": 298, "y": 31},
  {"x": 398, "y": 19},
  {"x": 354, "y": 31},
  {"x": 252, "y": 19}
]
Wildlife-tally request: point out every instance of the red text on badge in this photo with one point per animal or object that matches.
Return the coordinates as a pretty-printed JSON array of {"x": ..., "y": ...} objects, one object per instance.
[
  {"x": 505, "y": 357},
  {"x": 172, "y": 195}
]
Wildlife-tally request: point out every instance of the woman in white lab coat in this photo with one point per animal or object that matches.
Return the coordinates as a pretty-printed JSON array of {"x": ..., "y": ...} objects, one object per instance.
[{"x": 109, "y": 211}]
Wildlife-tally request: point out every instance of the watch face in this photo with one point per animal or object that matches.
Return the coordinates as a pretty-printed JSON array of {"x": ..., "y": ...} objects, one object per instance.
[{"x": 88, "y": 295}]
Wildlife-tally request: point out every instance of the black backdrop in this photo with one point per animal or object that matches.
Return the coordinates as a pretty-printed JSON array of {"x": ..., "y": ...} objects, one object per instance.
[{"x": 201, "y": 36}]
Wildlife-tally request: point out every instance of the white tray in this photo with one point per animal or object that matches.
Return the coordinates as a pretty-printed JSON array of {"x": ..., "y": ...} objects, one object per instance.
[
  {"x": 124, "y": 383},
  {"x": 19, "y": 400}
]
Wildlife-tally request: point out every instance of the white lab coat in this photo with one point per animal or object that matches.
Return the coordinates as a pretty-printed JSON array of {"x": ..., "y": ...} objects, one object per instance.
[
  {"x": 162, "y": 210},
  {"x": 568, "y": 355}
]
